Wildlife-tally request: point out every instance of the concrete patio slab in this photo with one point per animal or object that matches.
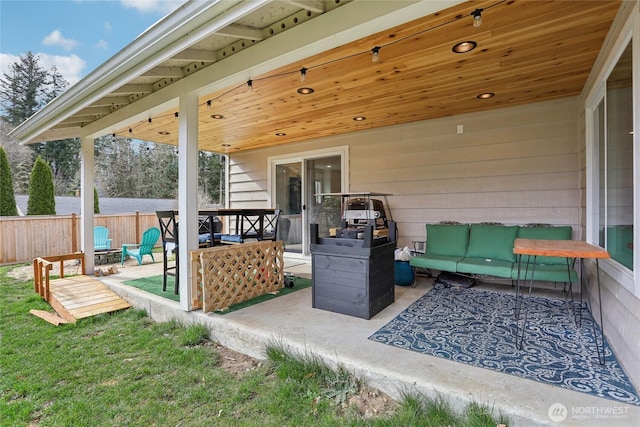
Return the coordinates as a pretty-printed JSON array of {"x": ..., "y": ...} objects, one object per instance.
[{"x": 343, "y": 340}]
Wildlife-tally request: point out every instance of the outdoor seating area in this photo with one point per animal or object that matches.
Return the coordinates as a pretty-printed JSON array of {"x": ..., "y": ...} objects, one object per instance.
[
  {"x": 243, "y": 226},
  {"x": 487, "y": 249}
]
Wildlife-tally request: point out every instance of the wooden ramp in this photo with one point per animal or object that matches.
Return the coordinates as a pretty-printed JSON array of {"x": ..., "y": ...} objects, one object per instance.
[
  {"x": 74, "y": 297},
  {"x": 78, "y": 297}
]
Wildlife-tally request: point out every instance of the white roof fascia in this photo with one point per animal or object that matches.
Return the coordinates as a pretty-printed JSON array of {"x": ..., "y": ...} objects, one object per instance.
[
  {"x": 348, "y": 23},
  {"x": 186, "y": 25}
]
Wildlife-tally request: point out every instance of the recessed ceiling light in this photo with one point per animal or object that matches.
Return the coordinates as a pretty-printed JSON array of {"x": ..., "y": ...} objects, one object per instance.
[
  {"x": 280, "y": 134},
  {"x": 217, "y": 116},
  {"x": 163, "y": 132},
  {"x": 359, "y": 118},
  {"x": 464, "y": 47},
  {"x": 305, "y": 91},
  {"x": 486, "y": 95}
]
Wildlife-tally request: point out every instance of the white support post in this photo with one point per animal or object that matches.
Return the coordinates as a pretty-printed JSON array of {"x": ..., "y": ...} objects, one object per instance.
[
  {"x": 87, "y": 167},
  {"x": 187, "y": 191}
]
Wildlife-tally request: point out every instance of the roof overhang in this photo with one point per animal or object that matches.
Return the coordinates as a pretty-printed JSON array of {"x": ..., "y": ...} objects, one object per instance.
[{"x": 192, "y": 23}]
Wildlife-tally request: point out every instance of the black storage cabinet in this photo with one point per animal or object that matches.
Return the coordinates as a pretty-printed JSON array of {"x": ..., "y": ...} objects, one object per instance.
[{"x": 353, "y": 276}]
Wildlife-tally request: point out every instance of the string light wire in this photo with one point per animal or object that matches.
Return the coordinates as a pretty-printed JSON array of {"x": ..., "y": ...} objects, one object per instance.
[{"x": 302, "y": 72}]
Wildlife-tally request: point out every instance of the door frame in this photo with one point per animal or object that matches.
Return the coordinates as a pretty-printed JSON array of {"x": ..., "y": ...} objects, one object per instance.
[{"x": 302, "y": 156}]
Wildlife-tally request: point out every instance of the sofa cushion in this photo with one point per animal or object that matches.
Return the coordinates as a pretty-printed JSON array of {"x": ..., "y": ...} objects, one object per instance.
[
  {"x": 435, "y": 262},
  {"x": 492, "y": 242},
  {"x": 546, "y": 233},
  {"x": 486, "y": 266},
  {"x": 447, "y": 239}
]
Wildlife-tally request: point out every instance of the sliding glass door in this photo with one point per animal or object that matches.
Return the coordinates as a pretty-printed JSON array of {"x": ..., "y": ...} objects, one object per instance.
[{"x": 296, "y": 181}]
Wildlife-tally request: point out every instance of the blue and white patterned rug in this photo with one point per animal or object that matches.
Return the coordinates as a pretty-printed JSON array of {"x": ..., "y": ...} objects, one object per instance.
[{"x": 478, "y": 328}]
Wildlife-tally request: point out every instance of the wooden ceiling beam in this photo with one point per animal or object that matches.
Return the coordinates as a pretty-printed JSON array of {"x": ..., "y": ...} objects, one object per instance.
[{"x": 241, "y": 32}]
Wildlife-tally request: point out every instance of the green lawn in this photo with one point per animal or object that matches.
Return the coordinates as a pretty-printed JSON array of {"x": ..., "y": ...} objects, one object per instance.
[{"x": 123, "y": 369}]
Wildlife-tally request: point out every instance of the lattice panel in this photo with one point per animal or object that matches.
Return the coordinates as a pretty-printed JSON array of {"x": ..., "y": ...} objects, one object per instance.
[{"x": 237, "y": 273}]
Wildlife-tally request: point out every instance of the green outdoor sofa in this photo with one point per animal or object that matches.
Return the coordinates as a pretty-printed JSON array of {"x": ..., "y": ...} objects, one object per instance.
[{"x": 487, "y": 250}]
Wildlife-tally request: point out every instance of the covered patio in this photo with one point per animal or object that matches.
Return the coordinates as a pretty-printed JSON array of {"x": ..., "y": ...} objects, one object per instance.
[{"x": 456, "y": 119}]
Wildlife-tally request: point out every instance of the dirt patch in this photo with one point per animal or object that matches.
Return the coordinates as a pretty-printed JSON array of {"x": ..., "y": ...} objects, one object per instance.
[
  {"x": 236, "y": 363},
  {"x": 370, "y": 403},
  {"x": 367, "y": 403}
]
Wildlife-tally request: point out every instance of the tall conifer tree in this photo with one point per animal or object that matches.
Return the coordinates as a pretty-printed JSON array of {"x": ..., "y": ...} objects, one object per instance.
[
  {"x": 41, "y": 192},
  {"x": 7, "y": 197}
]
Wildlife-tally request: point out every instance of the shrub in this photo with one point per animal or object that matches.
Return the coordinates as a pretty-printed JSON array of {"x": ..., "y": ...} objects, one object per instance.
[{"x": 41, "y": 192}]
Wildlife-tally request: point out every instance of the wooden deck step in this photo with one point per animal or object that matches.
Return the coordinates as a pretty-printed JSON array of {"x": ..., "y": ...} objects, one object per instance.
[{"x": 78, "y": 297}]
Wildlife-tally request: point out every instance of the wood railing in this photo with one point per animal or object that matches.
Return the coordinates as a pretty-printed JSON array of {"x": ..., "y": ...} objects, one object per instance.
[
  {"x": 42, "y": 267},
  {"x": 23, "y": 238}
]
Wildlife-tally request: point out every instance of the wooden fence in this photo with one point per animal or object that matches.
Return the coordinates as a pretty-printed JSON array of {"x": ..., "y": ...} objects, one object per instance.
[{"x": 23, "y": 238}]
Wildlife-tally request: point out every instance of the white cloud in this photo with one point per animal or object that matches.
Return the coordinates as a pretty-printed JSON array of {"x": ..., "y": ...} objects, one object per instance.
[
  {"x": 71, "y": 67},
  {"x": 6, "y": 59},
  {"x": 146, "y": 6},
  {"x": 102, "y": 44},
  {"x": 57, "y": 39},
  {"x": 107, "y": 27}
]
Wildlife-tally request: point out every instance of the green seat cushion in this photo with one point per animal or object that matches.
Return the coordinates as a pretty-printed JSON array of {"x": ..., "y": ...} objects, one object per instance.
[
  {"x": 447, "y": 239},
  {"x": 435, "y": 262},
  {"x": 546, "y": 233},
  {"x": 492, "y": 242},
  {"x": 486, "y": 266}
]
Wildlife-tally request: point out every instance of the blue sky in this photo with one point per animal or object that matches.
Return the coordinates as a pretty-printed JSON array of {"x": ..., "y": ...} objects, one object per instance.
[{"x": 76, "y": 36}]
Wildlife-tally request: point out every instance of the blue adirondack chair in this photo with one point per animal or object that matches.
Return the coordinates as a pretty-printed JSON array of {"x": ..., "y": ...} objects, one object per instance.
[
  {"x": 145, "y": 247},
  {"x": 101, "y": 240}
]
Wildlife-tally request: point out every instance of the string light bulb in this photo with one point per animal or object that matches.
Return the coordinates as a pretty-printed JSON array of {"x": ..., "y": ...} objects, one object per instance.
[
  {"x": 208, "y": 104},
  {"x": 303, "y": 74},
  {"x": 477, "y": 17},
  {"x": 176, "y": 114},
  {"x": 149, "y": 120},
  {"x": 250, "y": 85},
  {"x": 375, "y": 54}
]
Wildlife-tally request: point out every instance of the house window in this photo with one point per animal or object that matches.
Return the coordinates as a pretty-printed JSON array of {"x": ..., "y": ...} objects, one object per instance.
[{"x": 613, "y": 122}]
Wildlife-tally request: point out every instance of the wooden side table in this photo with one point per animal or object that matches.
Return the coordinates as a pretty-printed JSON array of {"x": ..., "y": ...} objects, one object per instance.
[{"x": 563, "y": 249}]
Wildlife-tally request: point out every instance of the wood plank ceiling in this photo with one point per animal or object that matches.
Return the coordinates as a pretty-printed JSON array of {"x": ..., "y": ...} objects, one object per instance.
[{"x": 527, "y": 51}]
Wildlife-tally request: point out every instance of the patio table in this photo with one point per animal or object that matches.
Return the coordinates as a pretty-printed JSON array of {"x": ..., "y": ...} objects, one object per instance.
[
  {"x": 565, "y": 249},
  {"x": 250, "y": 223}
]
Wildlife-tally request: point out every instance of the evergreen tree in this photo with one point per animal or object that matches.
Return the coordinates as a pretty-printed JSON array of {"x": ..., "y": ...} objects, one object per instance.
[
  {"x": 210, "y": 177},
  {"x": 20, "y": 157},
  {"x": 25, "y": 89},
  {"x": 22, "y": 89},
  {"x": 96, "y": 201},
  {"x": 7, "y": 197},
  {"x": 41, "y": 192}
]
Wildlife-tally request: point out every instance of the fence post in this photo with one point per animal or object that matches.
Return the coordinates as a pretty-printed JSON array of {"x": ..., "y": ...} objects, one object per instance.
[
  {"x": 138, "y": 236},
  {"x": 74, "y": 233}
]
